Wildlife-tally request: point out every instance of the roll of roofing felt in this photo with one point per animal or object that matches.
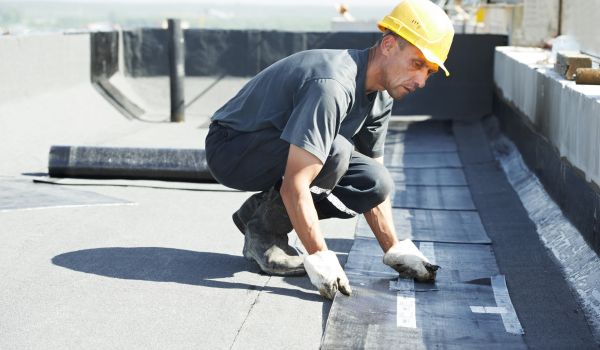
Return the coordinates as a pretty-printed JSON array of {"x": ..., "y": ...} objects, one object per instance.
[
  {"x": 587, "y": 76},
  {"x": 129, "y": 163}
]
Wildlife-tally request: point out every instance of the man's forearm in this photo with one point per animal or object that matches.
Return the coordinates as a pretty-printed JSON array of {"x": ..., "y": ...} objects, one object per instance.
[
  {"x": 304, "y": 218},
  {"x": 382, "y": 224}
]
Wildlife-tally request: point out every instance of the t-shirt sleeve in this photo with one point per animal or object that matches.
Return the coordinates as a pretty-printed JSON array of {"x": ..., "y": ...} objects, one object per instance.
[
  {"x": 370, "y": 139},
  {"x": 319, "y": 107}
]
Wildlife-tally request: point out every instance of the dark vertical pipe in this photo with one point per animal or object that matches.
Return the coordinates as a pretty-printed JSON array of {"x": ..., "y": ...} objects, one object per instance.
[
  {"x": 176, "y": 70},
  {"x": 560, "y": 15}
]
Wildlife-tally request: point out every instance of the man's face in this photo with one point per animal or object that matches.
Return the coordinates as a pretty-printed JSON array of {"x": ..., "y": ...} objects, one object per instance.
[{"x": 405, "y": 69}]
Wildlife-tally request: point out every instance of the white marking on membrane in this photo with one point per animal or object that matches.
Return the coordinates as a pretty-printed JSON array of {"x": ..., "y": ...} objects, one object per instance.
[
  {"x": 488, "y": 310},
  {"x": 509, "y": 317},
  {"x": 406, "y": 305}
]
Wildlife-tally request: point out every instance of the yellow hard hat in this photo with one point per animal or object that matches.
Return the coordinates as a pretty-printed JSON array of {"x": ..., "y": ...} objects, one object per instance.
[{"x": 423, "y": 24}]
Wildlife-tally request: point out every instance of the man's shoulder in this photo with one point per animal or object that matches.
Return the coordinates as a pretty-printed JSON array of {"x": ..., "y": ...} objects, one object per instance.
[{"x": 324, "y": 63}]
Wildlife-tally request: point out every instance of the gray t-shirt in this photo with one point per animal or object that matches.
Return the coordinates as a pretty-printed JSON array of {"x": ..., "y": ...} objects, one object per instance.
[{"x": 311, "y": 97}]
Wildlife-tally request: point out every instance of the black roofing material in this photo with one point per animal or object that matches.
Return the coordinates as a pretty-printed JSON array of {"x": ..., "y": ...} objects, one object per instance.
[
  {"x": 551, "y": 317},
  {"x": 447, "y": 314},
  {"x": 369, "y": 319},
  {"x": 396, "y": 141},
  {"x": 577, "y": 198},
  {"x": 24, "y": 194},
  {"x": 228, "y": 52},
  {"x": 365, "y": 321},
  {"x": 460, "y": 262},
  {"x": 428, "y": 176},
  {"x": 434, "y": 226},
  {"x": 427, "y": 137},
  {"x": 129, "y": 163},
  {"x": 433, "y": 197},
  {"x": 424, "y": 160},
  {"x": 104, "y": 48},
  {"x": 466, "y": 94}
]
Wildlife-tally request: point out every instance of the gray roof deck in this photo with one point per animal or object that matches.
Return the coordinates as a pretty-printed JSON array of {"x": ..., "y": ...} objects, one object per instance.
[{"x": 162, "y": 267}]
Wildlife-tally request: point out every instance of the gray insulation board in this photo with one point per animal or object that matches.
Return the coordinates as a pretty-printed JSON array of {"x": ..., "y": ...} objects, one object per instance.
[
  {"x": 433, "y": 197},
  {"x": 17, "y": 194},
  {"x": 428, "y": 176},
  {"x": 129, "y": 163},
  {"x": 433, "y": 226}
]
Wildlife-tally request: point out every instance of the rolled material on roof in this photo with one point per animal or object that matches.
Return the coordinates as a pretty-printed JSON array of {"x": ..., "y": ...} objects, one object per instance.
[{"x": 129, "y": 163}]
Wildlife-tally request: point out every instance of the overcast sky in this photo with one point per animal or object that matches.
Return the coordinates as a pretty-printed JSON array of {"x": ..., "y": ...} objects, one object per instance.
[{"x": 245, "y": 2}]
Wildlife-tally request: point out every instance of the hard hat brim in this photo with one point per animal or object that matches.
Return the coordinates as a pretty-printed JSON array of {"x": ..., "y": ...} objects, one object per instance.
[{"x": 429, "y": 56}]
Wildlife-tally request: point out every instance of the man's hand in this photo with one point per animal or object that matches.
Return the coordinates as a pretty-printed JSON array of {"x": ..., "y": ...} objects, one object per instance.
[
  {"x": 408, "y": 260},
  {"x": 326, "y": 273}
]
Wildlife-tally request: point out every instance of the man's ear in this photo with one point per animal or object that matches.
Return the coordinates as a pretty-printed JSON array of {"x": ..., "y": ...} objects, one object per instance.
[{"x": 387, "y": 44}]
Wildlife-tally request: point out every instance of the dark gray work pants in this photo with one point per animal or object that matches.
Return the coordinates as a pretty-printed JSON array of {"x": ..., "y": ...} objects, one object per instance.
[{"x": 349, "y": 183}]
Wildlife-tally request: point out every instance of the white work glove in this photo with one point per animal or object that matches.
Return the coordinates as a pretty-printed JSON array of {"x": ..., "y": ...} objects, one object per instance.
[
  {"x": 325, "y": 273},
  {"x": 408, "y": 260}
]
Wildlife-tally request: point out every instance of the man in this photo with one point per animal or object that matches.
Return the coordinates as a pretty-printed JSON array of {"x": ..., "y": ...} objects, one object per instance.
[{"x": 308, "y": 132}]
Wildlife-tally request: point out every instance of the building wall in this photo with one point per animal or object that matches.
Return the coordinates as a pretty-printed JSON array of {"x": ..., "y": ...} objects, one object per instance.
[{"x": 580, "y": 19}]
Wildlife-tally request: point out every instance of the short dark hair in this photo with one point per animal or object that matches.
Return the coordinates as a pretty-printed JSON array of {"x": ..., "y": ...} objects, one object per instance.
[{"x": 400, "y": 40}]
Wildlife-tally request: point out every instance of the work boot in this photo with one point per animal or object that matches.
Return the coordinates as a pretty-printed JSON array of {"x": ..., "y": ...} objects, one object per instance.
[
  {"x": 242, "y": 215},
  {"x": 266, "y": 239}
]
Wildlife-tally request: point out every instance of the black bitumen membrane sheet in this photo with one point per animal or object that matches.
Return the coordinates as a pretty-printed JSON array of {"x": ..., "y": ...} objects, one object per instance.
[
  {"x": 428, "y": 176},
  {"x": 426, "y": 160},
  {"x": 471, "y": 223},
  {"x": 434, "y": 226},
  {"x": 20, "y": 194},
  {"x": 433, "y": 197}
]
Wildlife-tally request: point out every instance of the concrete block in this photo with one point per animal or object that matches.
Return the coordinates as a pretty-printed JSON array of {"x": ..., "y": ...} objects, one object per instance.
[{"x": 567, "y": 63}]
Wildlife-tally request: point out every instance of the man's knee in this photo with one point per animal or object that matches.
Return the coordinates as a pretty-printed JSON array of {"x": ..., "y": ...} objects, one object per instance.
[
  {"x": 383, "y": 184},
  {"x": 336, "y": 164}
]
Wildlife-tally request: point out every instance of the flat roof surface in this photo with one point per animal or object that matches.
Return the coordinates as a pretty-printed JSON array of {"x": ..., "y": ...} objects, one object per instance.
[{"x": 140, "y": 265}]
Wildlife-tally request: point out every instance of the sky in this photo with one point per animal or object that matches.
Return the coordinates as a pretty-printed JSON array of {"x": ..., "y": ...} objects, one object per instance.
[{"x": 243, "y": 2}]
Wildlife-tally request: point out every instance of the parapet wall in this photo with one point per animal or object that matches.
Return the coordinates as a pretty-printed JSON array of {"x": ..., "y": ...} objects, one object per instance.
[
  {"x": 466, "y": 94},
  {"x": 556, "y": 125}
]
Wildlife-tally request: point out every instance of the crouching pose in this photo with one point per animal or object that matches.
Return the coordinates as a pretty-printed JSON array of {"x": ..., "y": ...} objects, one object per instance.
[{"x": 308, "y": 134}]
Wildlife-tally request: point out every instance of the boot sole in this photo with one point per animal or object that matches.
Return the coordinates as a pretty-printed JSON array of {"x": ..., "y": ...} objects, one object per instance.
[
  {"x": 299, "y": 272},
  {"x": 273, "y": 272}
]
